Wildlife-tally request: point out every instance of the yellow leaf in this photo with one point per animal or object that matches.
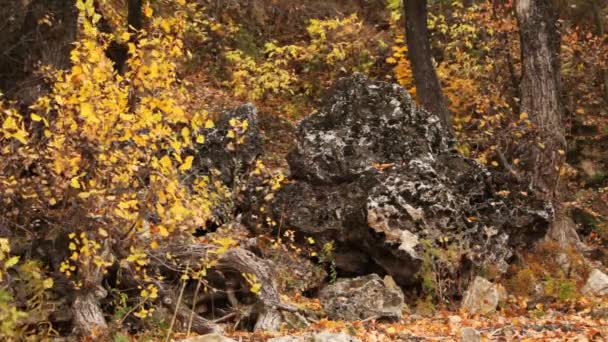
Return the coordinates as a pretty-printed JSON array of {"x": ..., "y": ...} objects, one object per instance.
[
  {"x": 186, "y": 134},
  {"x": 148, "y": 11},
  {"x": 36, "y": 117},
  {"x": 200, "y": 139},
  {"x": 162, "y": 231},
  {"x": 86, "y": 110},
  {"x": 209, "y": 124},
  {"x": 48, "y": 283},
  {"x": 523, "y": 116},
  {"x": 11, "y": 262},
  {"x": 74, "y": 183},
  {"x": 165, "y": 162},
  {"x": 187, "y": 165},
  {"x": 164, "y": 24}
]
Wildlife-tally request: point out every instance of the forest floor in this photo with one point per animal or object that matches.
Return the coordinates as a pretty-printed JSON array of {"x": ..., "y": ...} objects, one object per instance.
[{"x": 585, "y": 320}]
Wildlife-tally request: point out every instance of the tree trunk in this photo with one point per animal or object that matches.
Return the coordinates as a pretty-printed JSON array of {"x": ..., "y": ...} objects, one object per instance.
[
  {"x": 540, "y": 99},
  {"x": 601, "y": 32},
  {"x": 135, "y": 15},
  {"x": 428, "y": 89}
]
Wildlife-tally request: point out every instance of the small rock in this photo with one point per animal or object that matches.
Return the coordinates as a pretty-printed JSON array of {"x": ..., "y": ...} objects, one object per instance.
[
  {"x": 470, "y": 335},
  {"x": 362, "y": 298},
  {"x": 318, "y": 337},
  {"x": 597, "y": 284},
  {"x": 287, "y": 339},
  {"x": 454, "y": 323},
  {"x": 482, "y": 297},
  {"x": 332, "y": 337},
  {"x": 208, "y": 338}
]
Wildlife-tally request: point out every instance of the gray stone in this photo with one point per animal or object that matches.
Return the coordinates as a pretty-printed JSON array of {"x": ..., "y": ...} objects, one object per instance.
[
  {"x": 317, "y": 337},
  {"x": 287, "y": 339},
  {"x": 208, "y": 338},
  {"x": 597, "y": 284},
  {"x": 333, "y": 337},
  {"x": 482, "y": 297},
  {"x": 470, "y": 335},
  {"x": 362, "y": 298}
]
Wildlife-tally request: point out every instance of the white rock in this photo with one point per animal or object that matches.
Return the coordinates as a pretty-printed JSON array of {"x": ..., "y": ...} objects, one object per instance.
[
  {"x": 470, "y": 335},
  {"x": 482, "y": 297},
  {"x": 208, "y": 338},
  {"x": 454, "y": 322},
  {"x": 597, "y": 284},
  {"x": 318, "y": 337}
]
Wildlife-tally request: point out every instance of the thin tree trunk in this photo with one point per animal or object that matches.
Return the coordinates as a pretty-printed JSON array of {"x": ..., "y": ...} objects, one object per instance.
[
  {"x": 601, "y": 32},
  {"x": 428, "y": 88},
  {"x": 540, "y": 99},
  {"x": 135, "y": 15}
]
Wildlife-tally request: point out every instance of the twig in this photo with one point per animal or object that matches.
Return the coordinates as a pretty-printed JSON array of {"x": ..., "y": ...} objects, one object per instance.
[
  {"x": 370, "y": 319},
  {"x": 179, "y": 300},
  {"x": 132, "y": 310},
  {"x": 198, "y": 286},
  {"x": 226, "y": 317}
]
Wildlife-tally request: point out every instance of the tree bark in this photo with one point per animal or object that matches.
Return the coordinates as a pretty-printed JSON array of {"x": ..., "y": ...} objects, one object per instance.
[
  {"x": 540, "y": 99},
  {"x": 601, "y": 32},
  {"x": 428, "y": 88}
]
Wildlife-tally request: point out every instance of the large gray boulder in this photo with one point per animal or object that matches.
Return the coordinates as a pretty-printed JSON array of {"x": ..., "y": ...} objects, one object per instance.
[
  {"x": 362, "y": 298},
  {"x": 379, "y": 176}
]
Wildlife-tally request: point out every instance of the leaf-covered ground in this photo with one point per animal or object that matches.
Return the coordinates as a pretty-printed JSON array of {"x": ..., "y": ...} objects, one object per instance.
[{"x": 584, "y": 320}]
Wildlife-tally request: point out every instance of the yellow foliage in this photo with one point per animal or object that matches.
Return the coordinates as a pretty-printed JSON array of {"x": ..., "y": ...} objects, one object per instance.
[
  {"x": 114, "y": 150},
  {"x": 333, "y": 46}
]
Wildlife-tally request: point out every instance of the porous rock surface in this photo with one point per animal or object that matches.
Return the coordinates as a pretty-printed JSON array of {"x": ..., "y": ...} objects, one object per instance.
[
  {"x": 379, "y": 176},
  {"x": 597, "y": 284},
  {"x": 482, "y": 297},
  {"x": 361, "y": 298}
]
